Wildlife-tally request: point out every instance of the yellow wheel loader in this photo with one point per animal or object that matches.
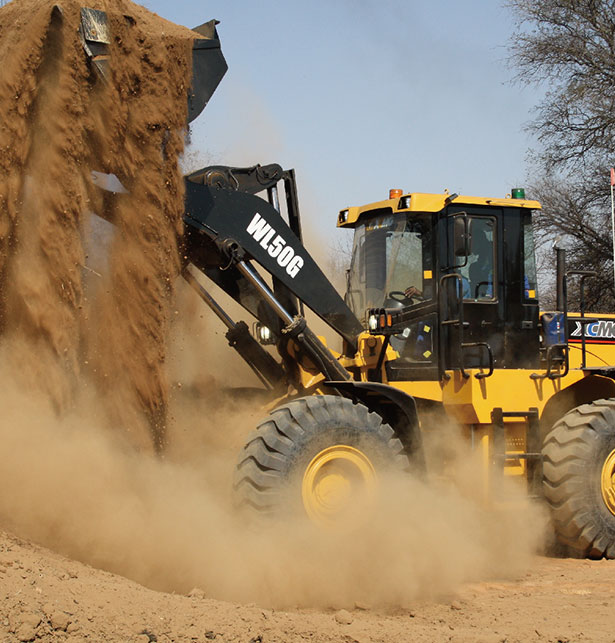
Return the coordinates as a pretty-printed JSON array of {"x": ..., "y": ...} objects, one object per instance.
[{"x": 441, "y": 318}]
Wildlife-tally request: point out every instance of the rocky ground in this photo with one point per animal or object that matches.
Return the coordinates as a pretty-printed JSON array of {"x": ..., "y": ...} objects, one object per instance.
[{"x": 46, "y": 597}]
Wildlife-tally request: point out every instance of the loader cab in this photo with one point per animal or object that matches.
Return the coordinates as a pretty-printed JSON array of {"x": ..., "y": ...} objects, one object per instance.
[{"x": 451, "y": 282}]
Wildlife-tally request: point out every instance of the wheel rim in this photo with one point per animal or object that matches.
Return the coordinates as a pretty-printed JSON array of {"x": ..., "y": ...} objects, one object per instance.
[
  {"x": 337, "y": 480},
  {"x": 607, "y": 482}
]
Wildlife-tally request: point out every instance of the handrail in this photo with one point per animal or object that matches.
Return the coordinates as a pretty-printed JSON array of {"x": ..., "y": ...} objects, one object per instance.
[
  {"x": 550, "y": 362},
  {"x": 480, "y": 376},
  {"x": 454, "y": 322}
]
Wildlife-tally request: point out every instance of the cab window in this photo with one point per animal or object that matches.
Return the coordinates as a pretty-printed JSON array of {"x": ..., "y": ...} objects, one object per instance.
[{"x": 478, "y": 274}]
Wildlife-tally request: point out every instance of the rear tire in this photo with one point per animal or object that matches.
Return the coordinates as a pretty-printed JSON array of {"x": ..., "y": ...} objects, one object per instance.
[
  {"x": 308, "y": 453},
  {"x": 579, "y": 479}
]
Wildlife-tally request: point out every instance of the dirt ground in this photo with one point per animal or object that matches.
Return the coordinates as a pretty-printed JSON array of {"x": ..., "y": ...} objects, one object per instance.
[{"x": 46, "y": 597}]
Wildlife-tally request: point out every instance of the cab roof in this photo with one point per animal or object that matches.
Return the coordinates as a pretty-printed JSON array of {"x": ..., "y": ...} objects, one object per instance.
[{"x": 422, "y": 202}]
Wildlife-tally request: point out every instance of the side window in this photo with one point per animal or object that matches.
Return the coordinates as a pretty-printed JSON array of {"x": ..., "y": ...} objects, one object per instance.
[
  {"x": 410, "y": 261},
  {"x": 478, "y": 275},
  {"x": 404, "y": 253}
]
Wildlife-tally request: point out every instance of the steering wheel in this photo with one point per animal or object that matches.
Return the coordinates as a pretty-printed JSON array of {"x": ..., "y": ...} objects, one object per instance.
[{"x": 399, "y": 295}]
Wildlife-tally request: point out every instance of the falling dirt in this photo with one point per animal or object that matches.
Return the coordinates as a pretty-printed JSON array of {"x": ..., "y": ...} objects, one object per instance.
[
  {"x": 61, "y": 121},
  {"x": 102, "y": 362}
]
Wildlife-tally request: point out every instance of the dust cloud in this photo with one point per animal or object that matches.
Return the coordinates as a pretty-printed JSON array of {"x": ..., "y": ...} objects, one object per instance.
[
  {"x": 89, "y": 389},
  {"x": 169, "y": 524}
]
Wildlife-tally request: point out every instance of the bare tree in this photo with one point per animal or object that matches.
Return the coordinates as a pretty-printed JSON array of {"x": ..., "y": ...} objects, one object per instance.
[
  {"x": 568, "y": 46},
  {"x": 577, "y": 217}
]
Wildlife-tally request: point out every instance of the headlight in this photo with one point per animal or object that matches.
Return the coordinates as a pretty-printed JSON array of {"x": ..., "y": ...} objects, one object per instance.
[
  {"x": 372, "y": 322},
  {"x": 263, "y": 334}
]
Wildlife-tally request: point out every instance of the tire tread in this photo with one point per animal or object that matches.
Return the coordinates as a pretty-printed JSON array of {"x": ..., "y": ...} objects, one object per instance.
[
  {"x": 259, "y": 473},
  {"x": 567, "y": 452}
]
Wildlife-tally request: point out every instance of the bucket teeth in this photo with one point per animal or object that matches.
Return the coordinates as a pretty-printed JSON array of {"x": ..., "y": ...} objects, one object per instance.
[{"x": 94, "y": 32}]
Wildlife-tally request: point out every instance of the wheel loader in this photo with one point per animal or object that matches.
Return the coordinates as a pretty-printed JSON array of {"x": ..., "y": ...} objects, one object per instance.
[
  {"x": 440, "y": 318},
  {"x": 440, "y": 322}
]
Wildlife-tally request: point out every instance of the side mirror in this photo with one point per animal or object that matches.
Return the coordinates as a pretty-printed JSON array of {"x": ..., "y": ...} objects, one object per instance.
[{"x": 462, "y": 235}]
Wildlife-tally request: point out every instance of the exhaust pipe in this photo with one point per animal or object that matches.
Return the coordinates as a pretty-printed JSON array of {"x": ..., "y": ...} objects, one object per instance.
[{"x": 562, "y": 294}]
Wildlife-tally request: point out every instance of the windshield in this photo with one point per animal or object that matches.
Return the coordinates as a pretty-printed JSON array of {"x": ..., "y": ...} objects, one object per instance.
[{"x": 391, "y": 263}]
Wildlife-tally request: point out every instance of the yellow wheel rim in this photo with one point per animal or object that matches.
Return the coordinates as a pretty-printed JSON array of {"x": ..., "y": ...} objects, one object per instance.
[
  {"x": 607, "y": 482},
  {"x": 339, "y": 482}
]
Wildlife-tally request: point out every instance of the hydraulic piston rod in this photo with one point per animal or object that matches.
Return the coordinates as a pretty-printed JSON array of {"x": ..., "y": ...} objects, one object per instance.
[
  {"x": 253, "y": 277},
  {"x": 268, "y": 371},
  {"x": 208, "y": 299}
]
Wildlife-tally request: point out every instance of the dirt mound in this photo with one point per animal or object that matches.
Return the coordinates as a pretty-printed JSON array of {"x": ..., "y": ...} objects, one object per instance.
[{"x": 60, "y": 122}]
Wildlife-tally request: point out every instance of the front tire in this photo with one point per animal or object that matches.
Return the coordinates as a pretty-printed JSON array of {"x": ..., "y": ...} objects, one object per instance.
[
  {"x": 579, "y": 479},
  {"x": 318, "y": 456}
]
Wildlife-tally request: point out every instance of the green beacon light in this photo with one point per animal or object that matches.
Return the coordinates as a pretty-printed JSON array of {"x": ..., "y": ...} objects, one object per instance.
[{"x": 518, "y": 193}]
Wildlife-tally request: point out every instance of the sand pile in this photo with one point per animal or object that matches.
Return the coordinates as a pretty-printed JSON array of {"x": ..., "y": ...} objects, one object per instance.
[{"x": 59, "y": 121}]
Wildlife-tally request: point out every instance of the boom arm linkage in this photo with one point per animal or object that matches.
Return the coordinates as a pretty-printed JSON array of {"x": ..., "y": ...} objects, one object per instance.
[{"x": 227, "y": 226}]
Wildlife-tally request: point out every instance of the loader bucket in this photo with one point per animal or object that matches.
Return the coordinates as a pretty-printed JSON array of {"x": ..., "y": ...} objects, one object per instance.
[
  {"x": 208, "y": 63},
  {"x": 208, "y": 68}
]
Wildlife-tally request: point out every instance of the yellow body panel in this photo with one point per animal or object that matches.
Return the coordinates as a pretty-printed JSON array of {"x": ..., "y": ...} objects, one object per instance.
[
  {"x": 427, "y": 390},
  {"x": 366, "y": 357},
  {"x": 422, "y": 202},
  {"x": 471, "y": 400}
]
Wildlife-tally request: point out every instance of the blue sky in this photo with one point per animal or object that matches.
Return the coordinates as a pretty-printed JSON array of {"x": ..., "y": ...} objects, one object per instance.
[{"x": 362, "y": 96}]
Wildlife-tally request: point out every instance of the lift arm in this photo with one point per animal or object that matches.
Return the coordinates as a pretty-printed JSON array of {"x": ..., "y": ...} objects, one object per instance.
[
  {"x": 222, "y": 216},
  {"x": 228, "y": 227}
]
